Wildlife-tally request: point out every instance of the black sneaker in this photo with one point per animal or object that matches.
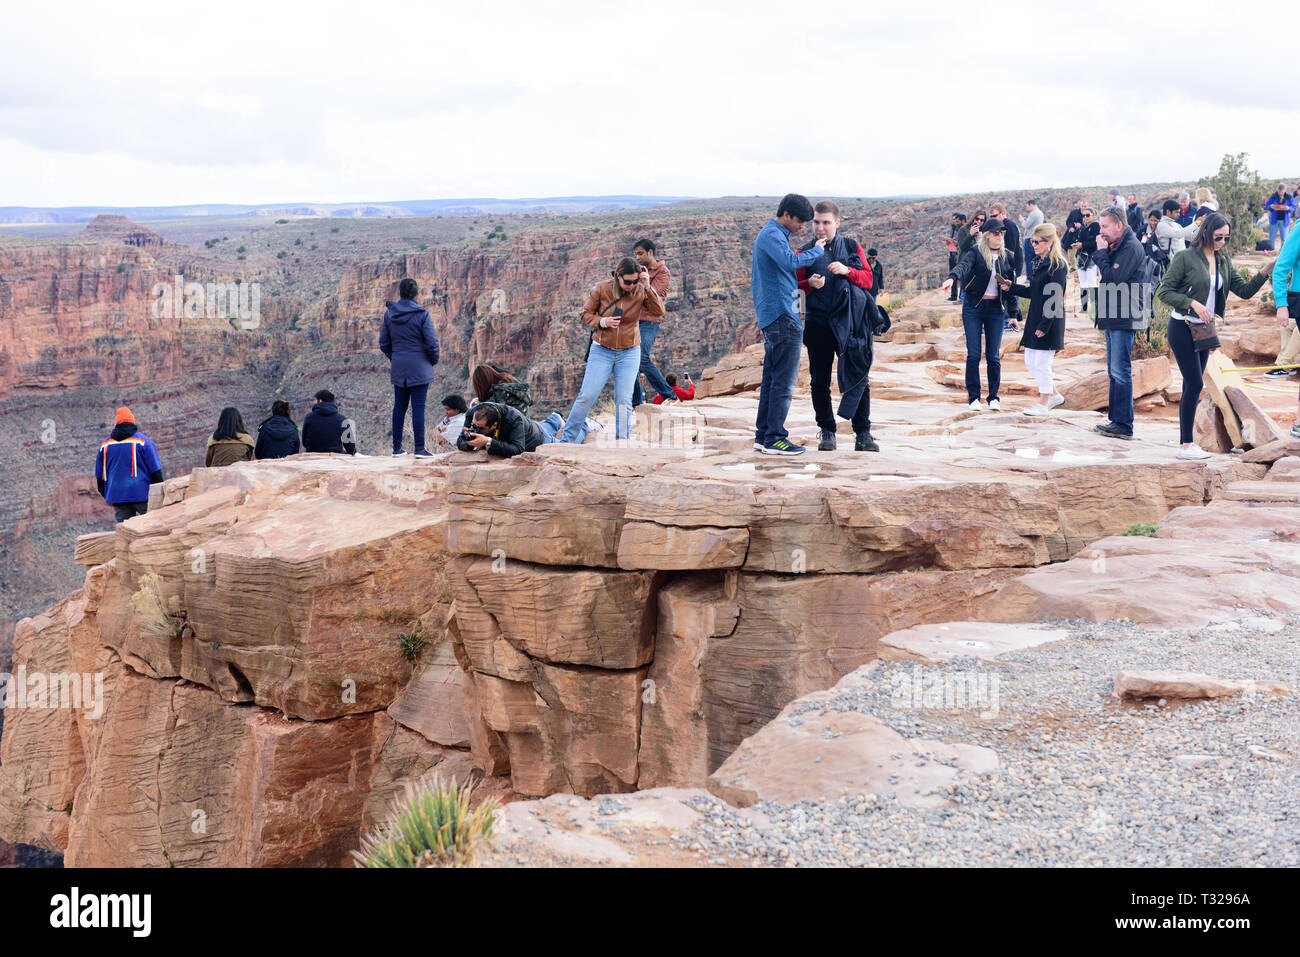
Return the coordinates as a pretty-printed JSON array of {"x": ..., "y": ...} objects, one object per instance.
[
  {"x": 827, "y": 444},
  {"x": 1113, "y": 431},
  {"x": 782, "y": 447},
  {"x": 399, "y": 451},
  {"x": 423, "y": 454},
  {"x": 1278, "y": 372},
  {"x": 865, "y": 443}
]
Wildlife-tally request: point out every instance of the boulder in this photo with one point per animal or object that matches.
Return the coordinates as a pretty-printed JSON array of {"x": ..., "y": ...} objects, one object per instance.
[
  {"x": 1257, "y": 428},
  {"x": 1092, "y": 391},
  {"x": 1187, "y": 685},
  {"x": 812, "y": 753}
]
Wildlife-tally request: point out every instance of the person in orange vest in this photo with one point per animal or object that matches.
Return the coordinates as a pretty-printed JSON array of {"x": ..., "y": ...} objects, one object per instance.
[{"x": 125, "y": 466}]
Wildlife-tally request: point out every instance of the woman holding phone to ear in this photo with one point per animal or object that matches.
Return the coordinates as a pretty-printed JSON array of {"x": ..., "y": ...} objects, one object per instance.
[{"x": 613, "y": 310}]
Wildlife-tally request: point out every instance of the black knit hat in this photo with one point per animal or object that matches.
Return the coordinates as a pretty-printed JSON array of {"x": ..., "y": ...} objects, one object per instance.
[{"x": 993, "y": 225}]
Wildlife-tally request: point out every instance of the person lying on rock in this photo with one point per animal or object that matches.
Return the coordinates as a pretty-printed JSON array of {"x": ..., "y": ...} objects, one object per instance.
[{"x": 500, "y": 430}]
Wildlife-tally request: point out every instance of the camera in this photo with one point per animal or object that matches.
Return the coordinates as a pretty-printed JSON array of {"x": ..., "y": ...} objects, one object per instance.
[{"x": 472, "y": 430}]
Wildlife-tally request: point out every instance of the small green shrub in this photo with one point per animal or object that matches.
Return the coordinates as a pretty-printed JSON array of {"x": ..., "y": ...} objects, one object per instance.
[
  {"x": 281, "y": 222},
  {"x": 412, "y": 642},
  {"x": 430, "y": 826},
  {"x": 1142, "y": 528}
]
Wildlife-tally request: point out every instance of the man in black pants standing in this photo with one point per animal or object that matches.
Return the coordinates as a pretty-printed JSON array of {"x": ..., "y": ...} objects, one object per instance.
[
  {"x": 829, "y": 301},
  {"x": 958, "y": 224},
  {"x": 877, "y": 274}
]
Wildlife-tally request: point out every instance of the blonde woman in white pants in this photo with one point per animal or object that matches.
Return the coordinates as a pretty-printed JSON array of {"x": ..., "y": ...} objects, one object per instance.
[{"x": 1045, "y": 319}]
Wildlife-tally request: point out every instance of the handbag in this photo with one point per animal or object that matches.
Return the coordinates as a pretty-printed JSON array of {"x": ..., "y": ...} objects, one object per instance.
[{"x": 1204, "y": 335}]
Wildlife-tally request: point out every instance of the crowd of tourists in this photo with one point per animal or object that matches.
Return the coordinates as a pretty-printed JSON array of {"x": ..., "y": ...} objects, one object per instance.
[{"x": 1123, "y": 261}]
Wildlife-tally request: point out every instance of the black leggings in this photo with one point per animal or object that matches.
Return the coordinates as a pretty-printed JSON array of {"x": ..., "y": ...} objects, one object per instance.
[{"x": 1192, "y": 366}]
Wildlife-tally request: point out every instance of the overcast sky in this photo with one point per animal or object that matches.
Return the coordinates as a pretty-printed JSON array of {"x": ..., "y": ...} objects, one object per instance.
[{"x": 159, "y": 103}]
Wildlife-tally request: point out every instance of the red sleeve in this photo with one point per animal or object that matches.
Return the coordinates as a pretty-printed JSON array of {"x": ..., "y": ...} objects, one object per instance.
[
  {"x": 658, "y": 399},
  {"x": 861, "y": 277},
  {"x": 685, "y": 394},
  {"x": 801, "y": 275}
]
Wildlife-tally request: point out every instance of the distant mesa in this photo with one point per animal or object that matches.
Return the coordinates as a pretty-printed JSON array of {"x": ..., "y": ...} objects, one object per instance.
[{"x": 113, "y": 227}]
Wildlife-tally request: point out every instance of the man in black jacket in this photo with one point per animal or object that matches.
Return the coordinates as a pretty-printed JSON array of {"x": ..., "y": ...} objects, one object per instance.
[
  {"x": 877, "y": 274},
  {"x": 1120, "y": 312},
  {"x": 838, "y": 328},
  {"x": 500, "y": 430},
  {"x": 1133, "y": 212},
  {"x": 325, "y": 429}
]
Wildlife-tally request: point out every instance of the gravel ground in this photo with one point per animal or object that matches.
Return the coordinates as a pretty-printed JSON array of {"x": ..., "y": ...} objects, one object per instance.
[{"x": 1083, "y": 779}]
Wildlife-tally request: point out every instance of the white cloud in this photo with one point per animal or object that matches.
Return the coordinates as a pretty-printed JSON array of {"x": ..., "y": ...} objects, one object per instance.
[{"x": 161, "y": 103}]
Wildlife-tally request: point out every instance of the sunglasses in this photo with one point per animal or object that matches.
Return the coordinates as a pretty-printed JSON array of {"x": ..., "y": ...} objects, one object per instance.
[
  {"x": 1220, "y": 237},
  {"x": 630, "y": 278},
  {"x": 1038, "y": 242}
]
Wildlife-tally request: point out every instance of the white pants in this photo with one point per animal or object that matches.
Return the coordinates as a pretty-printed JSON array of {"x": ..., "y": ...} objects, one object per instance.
[
  {"x": 1039, "y": 364},
  {"x": 1090, "y": 278}
]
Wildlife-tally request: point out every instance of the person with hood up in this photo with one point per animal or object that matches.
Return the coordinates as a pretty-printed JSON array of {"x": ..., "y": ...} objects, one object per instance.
[
  {"x": 409, "y": 341},
  {"x": 277, "y": 436},
  {"x": 325, "y": 429},
  {"x": 230, "y": 443},
  {"x": 126, "y": 464}
]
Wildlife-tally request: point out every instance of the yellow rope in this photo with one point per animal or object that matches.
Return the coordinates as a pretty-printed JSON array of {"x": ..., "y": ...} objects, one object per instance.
[
  {"x": 1264, "y": 388},
  {"x": 1262, "y": 368}
]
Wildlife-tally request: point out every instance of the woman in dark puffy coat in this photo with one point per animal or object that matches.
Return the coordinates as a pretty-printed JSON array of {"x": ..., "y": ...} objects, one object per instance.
[
  {"x": 1045, "y": 321},
  {"x": 277, "y": 436},
  {"x": 411, "y": 344}
]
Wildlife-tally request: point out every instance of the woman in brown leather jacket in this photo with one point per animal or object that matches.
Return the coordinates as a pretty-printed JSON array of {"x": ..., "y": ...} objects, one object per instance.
[{"x": 614, "y": 310}]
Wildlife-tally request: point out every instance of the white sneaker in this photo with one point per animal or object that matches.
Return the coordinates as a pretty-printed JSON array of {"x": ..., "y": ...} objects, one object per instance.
[
  {"x": 995, "y": 405},
  {"x": 976, "y": 407},
  {"x": 758, "y": 446},
  {"x": 1054, "y": 401},
  {"x": 1036, "y": 410},
  {"x": 1193, "y": 451},
  {"x": 594, "y": 426}
]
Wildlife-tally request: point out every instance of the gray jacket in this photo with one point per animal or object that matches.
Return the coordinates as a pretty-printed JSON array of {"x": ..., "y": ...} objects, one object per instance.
[{"x": 1029, "y": 221}]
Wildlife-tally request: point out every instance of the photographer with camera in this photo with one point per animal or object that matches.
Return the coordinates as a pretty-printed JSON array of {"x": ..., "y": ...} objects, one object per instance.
[
  {"x": 504, "y": 431},
  {"x": 614, "y": 310}
]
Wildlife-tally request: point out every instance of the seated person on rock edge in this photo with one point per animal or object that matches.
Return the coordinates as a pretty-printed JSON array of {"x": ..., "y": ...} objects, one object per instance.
[
  {"x": 453, "y": 420},
  {"x": 504, "y": 431},
  {"x": 277, "y": 436},
  {"x": 230, "y": 443},
  {"x": 325, "y": 429}
]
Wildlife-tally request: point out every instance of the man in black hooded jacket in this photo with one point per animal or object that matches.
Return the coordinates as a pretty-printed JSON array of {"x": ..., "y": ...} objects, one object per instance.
[{"x": 325, "y": 429}]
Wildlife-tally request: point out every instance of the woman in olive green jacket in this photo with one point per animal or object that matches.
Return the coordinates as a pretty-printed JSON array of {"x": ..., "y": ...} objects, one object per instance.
[{"x": 1196, "y": 287}]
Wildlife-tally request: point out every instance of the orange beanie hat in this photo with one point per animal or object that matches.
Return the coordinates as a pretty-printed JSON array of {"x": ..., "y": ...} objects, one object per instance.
[{"x": 124, "y": 415}]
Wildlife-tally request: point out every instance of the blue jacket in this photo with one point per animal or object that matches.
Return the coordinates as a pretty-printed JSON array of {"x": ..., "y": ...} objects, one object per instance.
[
  {"x": 772, "y": 277},
  {"x": 126, "y": 465},
  {"x": 410, "y": 342},
  {"x": 1288, "y": 261},
  {"x": 1279, "y": 215}
]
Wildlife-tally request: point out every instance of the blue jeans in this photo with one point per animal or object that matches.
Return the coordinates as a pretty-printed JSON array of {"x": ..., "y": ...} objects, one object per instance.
[
  {"x": 649, "y": 333},
  {"x": 985, "y": 318},
  {"x": 551, "y": 426},
  {"x": 415, "y": 396},
  {"x": 1274, "y": 229},
  {"x": 601, "y": 362},
  {"x": 1119, "y": 367},
  {"x": 782, "y": 344},
  {"x": 1029, "y": 260}
]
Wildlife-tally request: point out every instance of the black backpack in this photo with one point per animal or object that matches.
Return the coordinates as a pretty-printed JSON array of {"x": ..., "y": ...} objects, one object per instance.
[{"x": 1149, "y": 275}]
